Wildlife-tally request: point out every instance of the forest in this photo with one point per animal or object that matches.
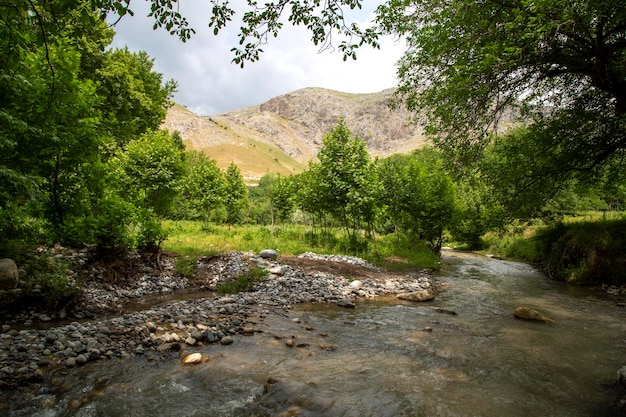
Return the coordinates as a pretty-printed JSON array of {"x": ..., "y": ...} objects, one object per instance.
[{"x": 84, "y": 164}]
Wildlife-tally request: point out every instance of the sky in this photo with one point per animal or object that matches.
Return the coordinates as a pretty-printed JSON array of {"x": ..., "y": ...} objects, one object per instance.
[{"x": 210, "y": 84}]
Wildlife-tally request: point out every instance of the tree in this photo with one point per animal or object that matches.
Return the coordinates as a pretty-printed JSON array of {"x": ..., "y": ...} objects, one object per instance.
[
  {"x": 151, "y": 168},
  {"x": 55, "y": 128},
  {"x": 559, "y": 64},
  {"x": 135, "y": 99},
  {"x": 49, "y": 135},
  {"x": 283, "y": 195},
  {"x": 470, "y": 66},
  {"x": 324, "y": 19},
  {"x": 418, "y": 195},
  {"x": 235, "y": 194},
  {"x": 203, "y": 187},
  {"x": 346, "y": 183}
]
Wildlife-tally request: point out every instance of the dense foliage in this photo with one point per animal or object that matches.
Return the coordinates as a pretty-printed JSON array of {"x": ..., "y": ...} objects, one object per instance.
[{"x": 68, "y": 106}]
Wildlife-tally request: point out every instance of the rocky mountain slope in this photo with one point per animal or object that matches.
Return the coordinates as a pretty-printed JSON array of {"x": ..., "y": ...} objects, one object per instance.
[{"x": 284, "y": 133}]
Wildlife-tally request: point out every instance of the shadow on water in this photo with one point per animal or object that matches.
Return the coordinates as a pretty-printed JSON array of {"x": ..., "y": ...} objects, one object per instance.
[{"x": 463, "y": 354}]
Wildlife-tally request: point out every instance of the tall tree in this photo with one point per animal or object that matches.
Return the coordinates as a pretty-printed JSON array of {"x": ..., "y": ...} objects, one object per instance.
[
  {"x": 49, "y": 134},
  {"x": 235, "y": 194},
  {"x": 59, "y": 89},
  {"x": 135, "y": 98},
  {"x": 203, "y": 187},
  {"x": 418, "y": 195},
  {"x": 347, "y": 185}
]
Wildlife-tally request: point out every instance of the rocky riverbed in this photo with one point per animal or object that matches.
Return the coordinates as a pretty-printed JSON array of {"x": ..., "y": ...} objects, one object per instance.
[{"x": 100, "y": 326}]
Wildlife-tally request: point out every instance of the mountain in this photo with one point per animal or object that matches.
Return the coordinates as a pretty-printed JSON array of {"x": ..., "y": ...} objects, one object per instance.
[{"x": 283, "y": 134}]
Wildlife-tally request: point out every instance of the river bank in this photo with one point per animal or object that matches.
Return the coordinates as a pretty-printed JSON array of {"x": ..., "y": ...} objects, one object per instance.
[{"x": 101, "y": 325}]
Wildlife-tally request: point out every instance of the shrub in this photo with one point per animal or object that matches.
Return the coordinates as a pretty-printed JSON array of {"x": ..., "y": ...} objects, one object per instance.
[
  {"x": 353, "y": 244},
  {"x": 48, "y": 280},
  {"x": 584, "y": 252},
  {"x": 112, "y": 234},
  {"x": 150, "y": 233}
]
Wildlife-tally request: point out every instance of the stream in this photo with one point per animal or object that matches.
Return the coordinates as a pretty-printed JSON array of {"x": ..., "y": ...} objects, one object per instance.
[{"x": 463, "y": 354}]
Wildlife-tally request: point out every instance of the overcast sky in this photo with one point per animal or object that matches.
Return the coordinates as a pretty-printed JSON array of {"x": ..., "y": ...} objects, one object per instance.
[{"x": 209, "y": 84}]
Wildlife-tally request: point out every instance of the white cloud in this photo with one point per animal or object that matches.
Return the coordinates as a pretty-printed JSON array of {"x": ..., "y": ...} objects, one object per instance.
[{"x": 208, "y": 83}]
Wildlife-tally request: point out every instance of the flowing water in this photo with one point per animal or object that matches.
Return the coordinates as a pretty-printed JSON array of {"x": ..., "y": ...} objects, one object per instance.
[{"x": 463, "y": 354}]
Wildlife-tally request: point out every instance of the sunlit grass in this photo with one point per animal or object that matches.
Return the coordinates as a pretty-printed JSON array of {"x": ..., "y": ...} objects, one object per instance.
[{"x": 190, "y": 238}]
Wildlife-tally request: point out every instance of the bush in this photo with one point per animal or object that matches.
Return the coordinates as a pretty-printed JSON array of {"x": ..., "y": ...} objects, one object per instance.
[
  {"x": 48, "y": 280},
  {"x": 112, "y": 233},
  {"x": 353, "y": 245},
  {"x": 150, "y": 233},
  {"x": 585, "y": 252}
]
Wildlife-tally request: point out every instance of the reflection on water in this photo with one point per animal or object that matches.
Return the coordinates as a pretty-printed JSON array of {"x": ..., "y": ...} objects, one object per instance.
[{"x": 389, "y": 358}]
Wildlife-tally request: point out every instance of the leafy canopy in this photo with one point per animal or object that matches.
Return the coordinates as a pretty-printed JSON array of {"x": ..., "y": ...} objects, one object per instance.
[
  {"x": 560, "y": 64},
  {"x": 260, "y": 23}
]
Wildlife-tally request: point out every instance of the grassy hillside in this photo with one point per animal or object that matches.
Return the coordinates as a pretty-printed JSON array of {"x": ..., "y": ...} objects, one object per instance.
[{"x": 254, "y": 159}]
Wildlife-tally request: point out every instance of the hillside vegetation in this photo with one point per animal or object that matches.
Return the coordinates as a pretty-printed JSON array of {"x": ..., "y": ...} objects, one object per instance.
[{"x": 284, "y": 133}]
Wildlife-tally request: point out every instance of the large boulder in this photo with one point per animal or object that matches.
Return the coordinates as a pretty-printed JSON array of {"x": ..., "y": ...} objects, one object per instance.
[
  {"x": 421, "y": 295},
  {"x": 9, "y": 274},
  {"x": 525, "y": 313}
]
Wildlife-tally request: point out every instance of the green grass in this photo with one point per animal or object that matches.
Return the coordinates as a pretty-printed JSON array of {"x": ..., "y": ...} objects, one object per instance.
[
  {"x": 191, "y": 239},
  {"x": 585, "y": 249}
]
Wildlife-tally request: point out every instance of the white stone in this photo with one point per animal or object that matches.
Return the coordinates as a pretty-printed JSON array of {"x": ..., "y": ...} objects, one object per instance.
[
  {"x": 193, "y": 358},
  {"x": 356, "y": 284}
]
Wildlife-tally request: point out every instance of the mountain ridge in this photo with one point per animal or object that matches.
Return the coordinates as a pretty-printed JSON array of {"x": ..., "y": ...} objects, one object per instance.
[{"x": 284, "y": 133}]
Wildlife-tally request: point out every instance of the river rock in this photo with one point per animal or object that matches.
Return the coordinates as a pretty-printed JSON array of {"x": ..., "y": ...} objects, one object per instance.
[
  {"x": 621, "y": 376},
  {"x": 525, "y": 313},
  {"x": 268, "y": 254},
  {"x": 226, "y": 340},
  {"x": 356, "y": 285},
  {"x": 193, "y": 358},
  {"x": 346, "y": 303},
  {"x": 277, "y": 270},
  {"x": 421, "y": 295},
  {"x": 9, "y": 274}
]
